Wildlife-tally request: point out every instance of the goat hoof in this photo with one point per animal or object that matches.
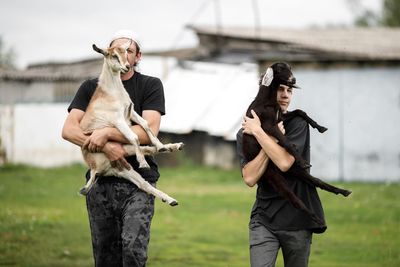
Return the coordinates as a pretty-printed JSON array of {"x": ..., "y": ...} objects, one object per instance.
[
  {"x": 180, "y": 146},
  {"x": 83, "y": 191},
  {"x": 173, "y": 203},
  {"x": 346, "y": 193},
  {"x": 322, "y": 129}
]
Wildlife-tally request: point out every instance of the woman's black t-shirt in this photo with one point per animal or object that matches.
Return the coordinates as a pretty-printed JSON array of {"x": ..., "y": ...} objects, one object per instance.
[{"x": 146, "y": 93}]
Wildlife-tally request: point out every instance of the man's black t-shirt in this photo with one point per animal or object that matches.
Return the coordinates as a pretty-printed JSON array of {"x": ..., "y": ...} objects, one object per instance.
[
  {"x": 274, "y": 211},
  {"x": 146, "y": 93}
]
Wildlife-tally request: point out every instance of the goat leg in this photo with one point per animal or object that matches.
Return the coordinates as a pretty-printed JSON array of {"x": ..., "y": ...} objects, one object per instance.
[
  {"x": 152, "y": 150},
  {"x": 308, "y": 178},
  {"x": 275, "y": 132},
  {"x": 93, "y": 177},
  {"x": 277, "y": 181},
  {"x": 124, "y": 128},
  {"x": 314, "y": 124},
  {"x": 143, "y": 123},
  {"x": 142, "y": 184}
]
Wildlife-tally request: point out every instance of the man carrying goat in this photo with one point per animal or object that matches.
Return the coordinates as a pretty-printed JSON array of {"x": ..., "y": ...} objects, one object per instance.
[
  {"x": 275, "y": 222},
  {"x": 120, "y": 214}
]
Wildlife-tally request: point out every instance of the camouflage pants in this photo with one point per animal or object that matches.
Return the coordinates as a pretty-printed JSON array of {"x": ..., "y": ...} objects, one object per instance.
[{"x": 120, "y": 216}]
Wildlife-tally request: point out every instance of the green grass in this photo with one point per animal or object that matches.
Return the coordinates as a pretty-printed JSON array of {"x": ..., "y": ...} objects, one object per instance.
[{"x": 43, "y": 221}]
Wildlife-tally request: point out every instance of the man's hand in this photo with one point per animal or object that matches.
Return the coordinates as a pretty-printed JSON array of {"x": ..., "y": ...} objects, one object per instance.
[
  {"x": 250, "y": 125},
  {"x": 96, "y": 140},
  {"x": 281, "y": 128},
  {"x": 116, "y": 154}
]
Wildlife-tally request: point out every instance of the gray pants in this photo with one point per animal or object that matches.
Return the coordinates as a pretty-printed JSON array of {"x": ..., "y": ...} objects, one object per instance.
[
  {"x": 120, "y": 215},
  {"x": 264, "y": 246}
]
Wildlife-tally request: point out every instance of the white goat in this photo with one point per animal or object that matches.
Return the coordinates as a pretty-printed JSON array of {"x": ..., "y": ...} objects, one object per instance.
[{"x": 111, "y": 106}]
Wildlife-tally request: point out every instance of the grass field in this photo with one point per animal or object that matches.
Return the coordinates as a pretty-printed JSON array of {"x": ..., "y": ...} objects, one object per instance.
[{"x": 43, "y": 221}]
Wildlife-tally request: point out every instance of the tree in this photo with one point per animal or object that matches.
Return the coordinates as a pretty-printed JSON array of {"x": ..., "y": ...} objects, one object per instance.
[
  {"x": 391, "y": 13},
  {"x": 7, "y": 56},
  {"x": 367, "y": 19}
]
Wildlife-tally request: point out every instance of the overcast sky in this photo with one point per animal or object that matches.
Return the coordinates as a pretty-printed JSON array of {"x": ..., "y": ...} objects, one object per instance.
[{"x": 51, "y": 30}]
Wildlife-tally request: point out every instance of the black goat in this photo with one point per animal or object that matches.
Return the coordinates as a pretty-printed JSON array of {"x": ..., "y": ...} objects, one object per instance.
[{"x": 266, "y": 107}]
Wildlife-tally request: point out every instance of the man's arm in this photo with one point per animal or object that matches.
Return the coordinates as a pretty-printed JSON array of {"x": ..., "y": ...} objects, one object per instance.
[
  {"x": 73, "y": 133},
  {"x": 101, "y": 136},
  {"x": 254, "y": 169},
  {"x": 282, "y": 159}
]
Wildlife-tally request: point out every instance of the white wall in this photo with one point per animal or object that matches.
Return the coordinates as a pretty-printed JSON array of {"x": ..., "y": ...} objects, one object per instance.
[
  {"x": 361, "y": 108},
  {"x": 365, "y": 145},
  {"x": 31, "y": 134}
]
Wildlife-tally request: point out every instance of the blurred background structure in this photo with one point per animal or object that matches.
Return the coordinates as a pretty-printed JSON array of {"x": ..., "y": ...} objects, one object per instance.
[{"x": 349, "y": 74}]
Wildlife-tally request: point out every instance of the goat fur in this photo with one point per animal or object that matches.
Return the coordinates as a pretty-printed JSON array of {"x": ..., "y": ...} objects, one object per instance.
[
  {"x": 111, "y": 106},
  {"x": 268, "y": 110}
]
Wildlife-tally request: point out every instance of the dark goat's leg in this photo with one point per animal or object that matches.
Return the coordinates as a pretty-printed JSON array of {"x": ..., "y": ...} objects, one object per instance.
[
  {"x": 310, "y": 121},
  {"x": 275, "y": 132},
  {"x": 277, "y": 181},
  {"x": 308, "y": 178}
]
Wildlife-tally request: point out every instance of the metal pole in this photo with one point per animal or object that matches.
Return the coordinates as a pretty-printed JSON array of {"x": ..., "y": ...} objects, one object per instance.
[
  {"x": 341, "y": 133},
  {"x": 257, "y": 22}
]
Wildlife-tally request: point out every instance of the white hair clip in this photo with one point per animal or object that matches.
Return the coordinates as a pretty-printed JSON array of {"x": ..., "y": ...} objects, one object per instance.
[{"x": 268, "y": 77}]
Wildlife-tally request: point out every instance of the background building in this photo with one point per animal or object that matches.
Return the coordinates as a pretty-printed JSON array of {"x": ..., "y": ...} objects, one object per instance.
[{"x": 349, "y": 78}]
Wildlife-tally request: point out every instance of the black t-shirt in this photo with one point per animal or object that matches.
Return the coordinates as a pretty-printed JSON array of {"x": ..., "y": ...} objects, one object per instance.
[
  {"x": 274, "y": 211},
  {"x": 146, "y": 93}
]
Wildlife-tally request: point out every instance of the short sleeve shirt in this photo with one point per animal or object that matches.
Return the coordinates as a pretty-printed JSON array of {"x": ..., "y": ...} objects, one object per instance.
[
  {"x": 270, "y": 208},
  {"x": 146, "y": 93}
]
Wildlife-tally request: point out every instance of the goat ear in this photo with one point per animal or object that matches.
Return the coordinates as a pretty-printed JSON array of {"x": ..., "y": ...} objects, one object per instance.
[
  {"x": 127, "y": 44},
  {"x": 101, "y": 51}
]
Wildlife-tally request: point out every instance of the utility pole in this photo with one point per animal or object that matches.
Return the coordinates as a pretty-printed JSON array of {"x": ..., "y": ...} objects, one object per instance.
[
  {"x": 257, "y": 22},
  {"x": 341, "y": 133},
  {"x": 218, "y": 26}
]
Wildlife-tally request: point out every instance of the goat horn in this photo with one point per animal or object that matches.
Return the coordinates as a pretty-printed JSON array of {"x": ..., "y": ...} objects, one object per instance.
[{"x": 99, "y": 50}]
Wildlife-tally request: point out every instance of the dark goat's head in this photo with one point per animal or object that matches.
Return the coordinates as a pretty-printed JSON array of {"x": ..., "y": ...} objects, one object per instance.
[
  {"x": 282, "y": 74},
  {"x": 277, "y": 74}
]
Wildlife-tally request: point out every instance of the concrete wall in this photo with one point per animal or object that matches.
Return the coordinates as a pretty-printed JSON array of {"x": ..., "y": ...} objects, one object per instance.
[
  {"x": 36, "y": 91},
  {"x": 31, "y": 134}
]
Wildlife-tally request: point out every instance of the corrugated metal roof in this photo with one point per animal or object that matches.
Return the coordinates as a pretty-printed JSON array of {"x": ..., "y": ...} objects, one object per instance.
[
  {"x": 369, "y": 43},
  {"x": 70, "y": 71}
]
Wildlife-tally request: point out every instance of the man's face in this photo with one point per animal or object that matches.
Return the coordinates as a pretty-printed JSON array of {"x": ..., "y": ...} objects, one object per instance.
[
  {"x": 284, "y": 96},
  {"x": 133, "y": 55}
]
